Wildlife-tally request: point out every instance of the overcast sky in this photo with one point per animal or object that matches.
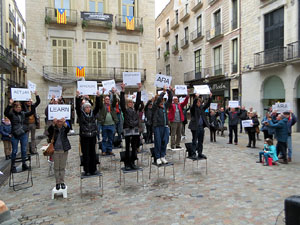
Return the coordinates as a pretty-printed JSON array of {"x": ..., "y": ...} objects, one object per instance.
[{"x": 159, "y": 6}]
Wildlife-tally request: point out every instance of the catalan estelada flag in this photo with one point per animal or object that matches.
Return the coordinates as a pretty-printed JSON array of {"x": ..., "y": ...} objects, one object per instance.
[
  {"x": 61, "y": 16},
  {"x": 129, "y": 23},
  {"x": 80, "y": 71}
]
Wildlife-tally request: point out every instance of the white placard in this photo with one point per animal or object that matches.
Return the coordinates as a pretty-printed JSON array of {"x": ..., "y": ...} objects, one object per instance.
[
  {"x": 109, "y": 84},
  {"x": 233, "y": 104},
  {"x": 201, "y": 89},
  {"x": 106, "y": 92},
  {"x": 180, "y": 90},
  {"x": 162, "y": 80},
  {"x": 20, "y": 94},
  {"x": 144, "y": 96},
  {"x": 181, "y": 99},
  {"x": 166, "y": 96},
  {"x": 31, "y": 86},
  {"x": 59, "y": 112},
  {"x": 283, "y": 107},
  {"x": 118, "y": 87},
  {"x": 131, "y": 78},
  {"x": 87, "y": 87},
  {"x": 247, "y": 123},
  {"x": 56, "y": 91},
  {"x": 214, "y": 106}
]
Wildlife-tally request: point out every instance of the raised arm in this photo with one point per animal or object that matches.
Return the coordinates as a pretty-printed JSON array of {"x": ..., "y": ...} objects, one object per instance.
[
  {"x": 122, "y": 102},
  {"x": 38, "y": 100},
  {"x": 138, "y": 100},
  {"x": 78, "y": 104},
  {"x": 170, "y": 98},
  {"x": 97, "y": 107}
]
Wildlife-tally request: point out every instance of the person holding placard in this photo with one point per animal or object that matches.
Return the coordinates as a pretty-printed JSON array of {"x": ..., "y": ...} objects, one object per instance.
[
  {"x": 88, "y": 132},
  {"x": 233, "y": 121},
  {"x": 58, "y": 131},
  {"x": 32, "y": 121},
  {"x": 160, "y": 125},
  {"x": 19, "y": 131},
  {"x": 176, "y": 117},
  {"x": 197, "y": 124},
  {"x": 223, "y": 117},
  {"x": 131, "y": 126},
  {"x": 213, "y": 122},
  {"x": 252, "y": 130},
  {"x": 292, "y": 120}
]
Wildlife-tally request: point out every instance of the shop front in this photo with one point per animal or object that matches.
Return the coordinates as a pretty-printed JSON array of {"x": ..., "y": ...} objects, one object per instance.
[{"x": 221, "y": 92}]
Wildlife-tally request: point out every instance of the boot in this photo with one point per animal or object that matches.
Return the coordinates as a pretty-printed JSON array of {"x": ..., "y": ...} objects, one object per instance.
[
  {"x": 133, "y": 166},
  {"x": 13, "y": 167},
  {"x": 24, "y": 167}
]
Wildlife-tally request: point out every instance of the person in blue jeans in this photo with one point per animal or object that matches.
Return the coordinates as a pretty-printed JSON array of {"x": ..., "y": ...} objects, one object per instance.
[
  {"x": 19, "y": 128},
  {"x": 160, "y": 125},
  {"x": 268, "y": 152},
  {"x": 292, "y": 120}
]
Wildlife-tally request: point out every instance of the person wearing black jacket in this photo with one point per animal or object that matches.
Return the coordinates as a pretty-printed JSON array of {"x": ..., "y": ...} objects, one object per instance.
[
  {"x": 59, "y": 132},
  {"x": 88, "y": 132},
  {"x": 185, "y": 121},
  {"x": 160, "y": 125},
  {"x": 197, "y": 124},
  {"x": 233, "y": 121},
  {"x": 252, "y": 130},
  {"x": 243, "y": 116},
  {"x": 131, "y": 126},
  {"x": 213, "y": 122},
  {"x": 149, "y": 122},
  {"x": 19, "y": 131}
]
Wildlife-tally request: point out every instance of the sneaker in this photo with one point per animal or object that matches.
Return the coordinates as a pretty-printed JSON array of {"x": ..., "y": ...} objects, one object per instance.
[
  {"x": 63, "y": 186},
  {"x": 57, "y": 186},
  {"x": 72, "y": 132},
  {"x": 289, "y": 159},
  {"x": 163, "y": 160},
  {"x": 258, "y": 161},
  {"x": 172, "y": 147},
  {"x": 25, "y": 167},
  {"x": 178, "y": 146},
  {"x": 158, "y": 162}
]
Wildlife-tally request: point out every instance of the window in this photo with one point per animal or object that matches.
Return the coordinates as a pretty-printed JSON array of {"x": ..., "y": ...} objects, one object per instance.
[
  {"x": 186, "y": 34},
  {"x": 158, "y": 33},
  {"x": 176, "y": 40},
  {"x": 234, "y": 68},
  {"x": 62, "y": 50},
  {"x": 168, "y": 25},
  {"x": 234, "y": 14},
  {"x": 168, "y": 70},
  {"x": 198, "y": 64},
  {"x": 96, "y": 56},
  {"x": 199, "y": 25},
  {"x": 186, "y": 8},
  {"x": 96, "y": 6},
  {"x": 218, "y": 61},
  {"x": 129, "y": 55},
  {"x": 217, "y": 22},
  {"x": 128, "y": 8},
  {"x": 176, "y": 16},
  {"x": 158, "y": 53},
  {"x": 167, "y": 47},
  {"x": 63, "y": 4}
]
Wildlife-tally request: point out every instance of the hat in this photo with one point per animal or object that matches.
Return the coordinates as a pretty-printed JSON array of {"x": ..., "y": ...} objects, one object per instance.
[{"x": 86, "y": 104}]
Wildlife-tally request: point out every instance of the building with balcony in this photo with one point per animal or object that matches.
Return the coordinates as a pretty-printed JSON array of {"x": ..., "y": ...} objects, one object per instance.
[
  {"x": 205, "y": 40},
  {"x": 95, "y": 36},
  {"x": 270, "y": 59}
]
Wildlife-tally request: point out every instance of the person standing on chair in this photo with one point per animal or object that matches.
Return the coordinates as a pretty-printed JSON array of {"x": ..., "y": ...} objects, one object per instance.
[
  {"x": 59, "y": 132},
  {"x": 197, "y": 124},
  {"x": 32, "y": 121},
  {"x": 5, "y": 131},
  {"x": 19, "y": 131},
  {"x": 87, "y": 132},
  {"x": 149, "y": 122},
  {"x": 160, "y": 125},
  {"x": 233, "y": 121},
  {"x": 176, "y": 118},
  {"x": 131, "y": 126}
]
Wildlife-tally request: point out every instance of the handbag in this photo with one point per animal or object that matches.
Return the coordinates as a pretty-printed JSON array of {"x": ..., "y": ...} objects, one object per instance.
[
  {"x": 38, "y": 122},
  {"x": 257, "y": 130},
  {"x": 50, "y": 149}
]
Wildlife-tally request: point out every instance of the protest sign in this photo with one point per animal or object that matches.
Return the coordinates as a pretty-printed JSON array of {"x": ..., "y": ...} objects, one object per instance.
[
  {"x": 87, "y": 87},
  {"x": 233, "y": 104},
  {"x": 214, "y": 106},
  {"x": 181, "y": 90},
  {"x": 118, "y": 87},
  {"x": 144, "y": 96},
  {"x": 282, "y": 107},
  {"x": 247, "y": 123},
  {"x": 131, "y": 78},
  {"x": 162, "y": 80},
  {"x": 59, "y": 112},
  {"x": 20, "y": 94},
  {"x": 201, "y": 89},
  {"x": 31, "y": 86},
  {"x": 56, "y": 91},
  {"x": 106, "y": 92},
  {"x": 109, "y": 84}
]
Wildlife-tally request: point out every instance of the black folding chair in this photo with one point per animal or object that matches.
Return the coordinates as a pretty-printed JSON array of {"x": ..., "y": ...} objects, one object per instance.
[{"x": 188, "y": 151}]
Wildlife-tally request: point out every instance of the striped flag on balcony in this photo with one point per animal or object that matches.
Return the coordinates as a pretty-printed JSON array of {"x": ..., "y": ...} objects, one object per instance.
[
  {"x": 61, "y": 16},
  {"x": 129, "y": 23},
  {"x": 80, "y": 71}
]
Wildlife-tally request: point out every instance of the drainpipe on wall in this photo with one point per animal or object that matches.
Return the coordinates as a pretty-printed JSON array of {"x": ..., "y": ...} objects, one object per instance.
[{"x": 240, "y": 52}]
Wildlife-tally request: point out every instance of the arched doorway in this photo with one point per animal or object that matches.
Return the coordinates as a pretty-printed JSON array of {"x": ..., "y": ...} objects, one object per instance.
[{"x": 273, "y": 91}]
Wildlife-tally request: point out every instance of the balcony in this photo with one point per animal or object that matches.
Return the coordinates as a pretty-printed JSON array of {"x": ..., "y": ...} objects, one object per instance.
[
  {"x": 121, "y": 24},
  {"x": 14, "y": 38},
  {"x": 215, "y": 33},
  {"x": 12, "y": 17},
  {"x": 51, "y": 16},
  {"x": 234, "y": 68},
  {"x": 211, "y": 2},
  {"x": 15, "y": 60},
  {"x": 184, "y": 14},
  {"x": 270, "y": 58},
  {"x": 166, "y": 32},
  {"x": 196, "y": 35},
  {"x": 96, "y": 20},
  {"x": 62, "y": 74},
  {"x": 218, "y": 70},
  {"x": 185, "y": 42},
  {"x": 174, "y": 24},
  {"x": 5, "y": 61},
  {"x": 193, "y": 76},
  {"x": 175, "y": 49},
  {"x": 293, "y": 52},
  {"x": 196, "y": 5},
  {"x": 24, "y": 51}
]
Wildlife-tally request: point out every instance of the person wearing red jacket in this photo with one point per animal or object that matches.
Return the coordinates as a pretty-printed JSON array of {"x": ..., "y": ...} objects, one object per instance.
[{"x": 176, "y": 117}]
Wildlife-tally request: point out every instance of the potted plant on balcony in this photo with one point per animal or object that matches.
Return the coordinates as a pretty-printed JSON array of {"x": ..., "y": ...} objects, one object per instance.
[
  {"x": 166, "y": 55},
  {"x": 175, "y": 49},
  {"x": 47, "y": 19},
  {"x": 84, "y": 24},
  {"x": 109, "y": 25}
]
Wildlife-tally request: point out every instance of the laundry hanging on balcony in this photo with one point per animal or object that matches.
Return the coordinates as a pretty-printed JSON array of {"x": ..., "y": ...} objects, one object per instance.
[
  {"x": 61, "y": 16},
  {"x": 80, "y": 71},
  {"x": 129, "y": 23}
]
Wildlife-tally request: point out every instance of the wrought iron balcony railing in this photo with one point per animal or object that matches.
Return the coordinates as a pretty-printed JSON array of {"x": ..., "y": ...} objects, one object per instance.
[
  {"x": 270, "y": 56},
  {"x": 196, "y": 35},
  {"x": 293, "y": 51},
  {"x": 234, "y": 67},
  {"x": 5, "y": 61},
  {"x": 185, "y": 42},
  {"x": 174, "y": 24},
  {"x": 166, "y": 31},
  {"x": 215, "y": 32},
  {"x": 12, "y": 17},
  {"x": 121, "y": 23},
  {"x": 184, "y": 14},
  {"x": 175, "y": 49},
  {"x": 51, "y": 16}
]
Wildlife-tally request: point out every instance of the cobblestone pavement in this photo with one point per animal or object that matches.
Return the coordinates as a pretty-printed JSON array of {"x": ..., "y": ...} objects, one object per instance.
[{"x": 236, "y": 191}]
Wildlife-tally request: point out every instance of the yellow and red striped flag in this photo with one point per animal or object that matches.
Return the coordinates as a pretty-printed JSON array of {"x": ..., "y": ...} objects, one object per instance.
[
  {"x": 80, "y": 71},
  {"x": 129, "y": 23},
  {"x": 61, "y": 16}
]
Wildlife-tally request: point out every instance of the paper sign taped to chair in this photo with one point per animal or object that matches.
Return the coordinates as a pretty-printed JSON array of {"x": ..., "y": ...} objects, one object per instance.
[
  {"x": 59, "y": 112},
  {"x": 20, "y": 94}
]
